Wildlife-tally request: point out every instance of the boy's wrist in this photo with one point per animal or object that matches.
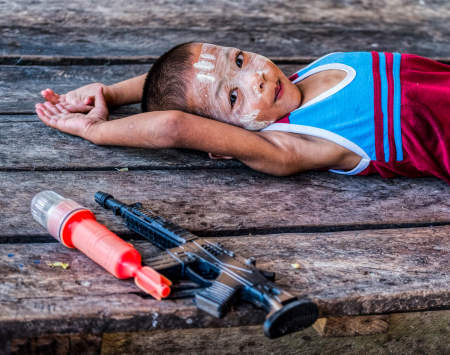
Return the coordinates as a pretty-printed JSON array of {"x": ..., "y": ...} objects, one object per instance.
[
  {"x": 92, "y": 133},
  {"x": 108, "y": 93}
]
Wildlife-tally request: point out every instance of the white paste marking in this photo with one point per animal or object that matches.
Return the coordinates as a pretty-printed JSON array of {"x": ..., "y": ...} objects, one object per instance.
[
  {"x": 207, "y": 56},
  {"x": 205, "y": 77},
  {"x": 204, "y": 65}
]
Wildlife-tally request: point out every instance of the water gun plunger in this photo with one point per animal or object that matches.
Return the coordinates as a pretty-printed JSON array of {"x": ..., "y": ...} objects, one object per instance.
[{"x": 76, "y": 227}]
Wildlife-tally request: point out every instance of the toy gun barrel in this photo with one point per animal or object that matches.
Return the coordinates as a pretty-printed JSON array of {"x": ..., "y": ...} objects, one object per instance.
[
  {"x": 109, "y": 202},
  {"x": 162, "y": 233}
]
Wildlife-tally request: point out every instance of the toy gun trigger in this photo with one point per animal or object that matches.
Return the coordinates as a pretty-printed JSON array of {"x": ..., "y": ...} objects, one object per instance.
[
  {"x": 217, "y": 298},
  {"x": 184, "y": 289}
]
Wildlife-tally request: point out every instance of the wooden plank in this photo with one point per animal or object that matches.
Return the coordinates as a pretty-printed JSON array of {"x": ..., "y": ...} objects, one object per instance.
[
  {"x": 314, "y": 28},
  {"x": 409, "y": 333},
  {"x": 346, "y": 273},
  {"x": 413, "y": 333},
  {"x": 351, "y": 326},
  {"x": 311, "y": 39},
  {"x": 49, "y": 149},
  {"x": 233, "y": 202},
  {"x": 68, "y": 344},
  {"x": 25, "y": 59},
  {"x": 20, "y": 86},
  {"x": 200, "y": 13}
]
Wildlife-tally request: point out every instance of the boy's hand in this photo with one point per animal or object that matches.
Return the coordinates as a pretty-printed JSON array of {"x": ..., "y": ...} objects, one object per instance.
[
  {"x": 81, "y": 100},
  {"x": 61, "y": 116}
]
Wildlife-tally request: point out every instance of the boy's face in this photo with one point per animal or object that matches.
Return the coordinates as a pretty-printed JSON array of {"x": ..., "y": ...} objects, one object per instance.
[{"x": 241, "y": 88}]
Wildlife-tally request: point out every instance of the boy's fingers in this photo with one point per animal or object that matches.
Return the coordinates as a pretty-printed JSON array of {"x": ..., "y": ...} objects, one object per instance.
[
  {"x": 89, "y": 100},
  {"x": 46, "y": 95},
  {"x": 50, "y": 96},
  {"x": 53, "y": 94},
  {"x": 81, "y": 108},
  {"x": 61, "y": 108},
  {"x": 49, "y": 115},
  {"x": 51, "y": 108},
  {"x": 99, "y": 98},
  {"x": 39, "y": 111},
  {"x": 42, "y": 114},
  {"x": 100, "y": 108},
  {"x": 56, "y": 121},
  {"x": 42, "y": 108}
]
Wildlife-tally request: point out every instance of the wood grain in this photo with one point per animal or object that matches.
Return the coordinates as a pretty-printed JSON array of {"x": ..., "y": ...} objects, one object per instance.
[
  {"x": 409, "y": 334},
  {"x": 352, "y": 326},
  {"x": 273, "y": 28},
  {"x": 49, "y": 149},
  {"x": 68, "y": 344},
  {"x": 227, "y": 201},
  {"x": 346, "y": 273}
]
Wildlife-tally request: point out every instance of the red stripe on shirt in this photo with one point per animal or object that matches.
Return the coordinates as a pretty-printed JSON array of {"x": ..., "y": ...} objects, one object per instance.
[
  {"x": 378, "y": 113},
  {"x": 390, "y": 80},
  {"x": 293, "y": 77},
  {"x": 284, "y": 119}
]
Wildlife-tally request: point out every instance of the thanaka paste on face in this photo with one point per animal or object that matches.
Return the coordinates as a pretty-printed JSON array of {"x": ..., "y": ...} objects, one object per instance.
[{"x": 211, "y": 67}]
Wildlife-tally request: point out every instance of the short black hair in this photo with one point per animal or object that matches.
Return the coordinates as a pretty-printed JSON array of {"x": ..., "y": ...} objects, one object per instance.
[{"x": 165, "y": 84}]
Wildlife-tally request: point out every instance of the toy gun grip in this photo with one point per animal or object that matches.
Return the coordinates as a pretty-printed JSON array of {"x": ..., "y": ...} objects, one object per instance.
[{"x": 216, "y": 298}]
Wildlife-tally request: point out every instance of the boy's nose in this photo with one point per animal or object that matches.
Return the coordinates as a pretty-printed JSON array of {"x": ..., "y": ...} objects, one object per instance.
[{"x": 260, "y": 80}]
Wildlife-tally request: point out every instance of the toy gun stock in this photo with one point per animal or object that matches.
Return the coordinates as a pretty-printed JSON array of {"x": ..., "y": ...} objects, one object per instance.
[{"x": 223, "y": 275}]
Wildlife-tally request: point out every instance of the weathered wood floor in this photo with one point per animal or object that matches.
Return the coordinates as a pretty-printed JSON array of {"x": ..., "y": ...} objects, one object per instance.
[{"x": 373, "y": 253}]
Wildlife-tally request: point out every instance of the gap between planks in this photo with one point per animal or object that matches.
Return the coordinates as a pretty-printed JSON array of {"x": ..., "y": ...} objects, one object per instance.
[
  {"x": 238, "y": 233},
  {"x": 50, "y": 60}
]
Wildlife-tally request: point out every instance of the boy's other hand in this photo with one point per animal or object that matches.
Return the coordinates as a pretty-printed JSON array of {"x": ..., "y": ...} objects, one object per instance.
[
  {"x": 81, "y": 100},
  {"x": 60, "y": 116}
]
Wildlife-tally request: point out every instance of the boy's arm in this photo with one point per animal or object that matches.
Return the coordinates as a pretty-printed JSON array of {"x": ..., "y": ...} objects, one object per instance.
[
  {"x": 125, "y": 92},
  {"x": 176, "y": 129}
]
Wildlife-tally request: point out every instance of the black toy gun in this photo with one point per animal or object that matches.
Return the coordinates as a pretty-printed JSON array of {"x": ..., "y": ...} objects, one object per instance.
[{"x": 223, "y": 275}]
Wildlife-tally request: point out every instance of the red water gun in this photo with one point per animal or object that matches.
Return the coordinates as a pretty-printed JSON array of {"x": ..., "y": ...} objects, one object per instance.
[{"x": 76, "y": 227}]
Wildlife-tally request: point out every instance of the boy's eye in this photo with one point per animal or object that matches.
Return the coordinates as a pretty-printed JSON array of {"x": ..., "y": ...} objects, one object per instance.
[
  {"x": 240, "y": 59},
  {"x": 233, "y": 97}
]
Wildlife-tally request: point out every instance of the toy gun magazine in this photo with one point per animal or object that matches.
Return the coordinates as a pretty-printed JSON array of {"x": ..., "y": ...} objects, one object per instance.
[{"x": 224, "y": 276}]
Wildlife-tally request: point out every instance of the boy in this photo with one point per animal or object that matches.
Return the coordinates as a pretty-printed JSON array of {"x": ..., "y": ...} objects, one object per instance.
[{"x": 236, "y": 89}]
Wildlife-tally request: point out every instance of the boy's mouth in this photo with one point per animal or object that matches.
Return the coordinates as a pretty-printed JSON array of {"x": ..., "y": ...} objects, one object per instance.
[{"x": 278, "y": 90}]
